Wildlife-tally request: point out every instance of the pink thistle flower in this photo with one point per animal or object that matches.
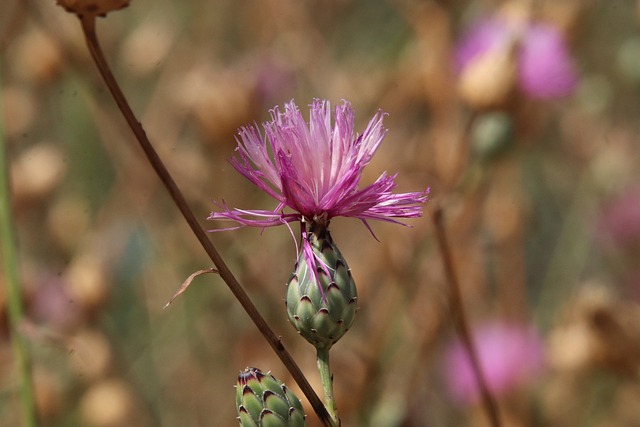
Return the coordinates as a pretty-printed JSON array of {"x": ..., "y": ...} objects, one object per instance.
[
  {"x": 314, "y": 170},
  {"x": 545, "y": 67}
]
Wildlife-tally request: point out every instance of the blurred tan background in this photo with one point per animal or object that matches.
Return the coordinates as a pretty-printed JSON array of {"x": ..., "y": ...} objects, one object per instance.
[{"x": 540, "y": 197}]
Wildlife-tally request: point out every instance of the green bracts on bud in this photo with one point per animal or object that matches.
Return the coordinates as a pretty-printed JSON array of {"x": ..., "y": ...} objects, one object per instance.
[
  {"x": 321, "y": 312},
  {"x": 264, "y": 401}
]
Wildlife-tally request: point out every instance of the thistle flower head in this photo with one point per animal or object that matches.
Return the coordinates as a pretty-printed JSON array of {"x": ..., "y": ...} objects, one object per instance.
[{"x": 314, "y": 169}]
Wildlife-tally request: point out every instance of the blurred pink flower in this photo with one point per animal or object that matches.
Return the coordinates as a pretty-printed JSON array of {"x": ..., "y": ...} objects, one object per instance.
[
  {"x": 52, "y": 304},
  {"x": 509, "y": 356},
  {"x": 620, "y": 220},
  {"x": 544, "y": 65},
  {"x": 314, "y": 169},
  {"x": 273, "y": 79}
]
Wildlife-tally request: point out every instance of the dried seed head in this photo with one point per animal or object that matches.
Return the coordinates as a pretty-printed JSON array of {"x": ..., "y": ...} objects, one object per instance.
[{"x": 92, "y": 7}]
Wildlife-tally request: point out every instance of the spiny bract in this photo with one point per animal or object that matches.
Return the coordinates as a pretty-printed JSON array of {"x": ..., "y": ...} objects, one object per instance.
[{"x": 264, "y": 401}]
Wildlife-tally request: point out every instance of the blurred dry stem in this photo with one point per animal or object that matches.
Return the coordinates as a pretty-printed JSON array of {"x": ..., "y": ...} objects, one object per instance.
[{"x": 460, "y": 320}]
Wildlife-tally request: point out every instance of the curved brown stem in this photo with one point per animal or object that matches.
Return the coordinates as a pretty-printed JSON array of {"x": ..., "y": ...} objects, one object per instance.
[
  {"x": 88, "y": 27},
  {"x": 460, "y": 321}
]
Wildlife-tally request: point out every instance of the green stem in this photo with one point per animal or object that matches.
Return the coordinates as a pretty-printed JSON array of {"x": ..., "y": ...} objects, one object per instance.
[
  {"x": 14, "y": 294},
  {"x": 327, "y": 385}
]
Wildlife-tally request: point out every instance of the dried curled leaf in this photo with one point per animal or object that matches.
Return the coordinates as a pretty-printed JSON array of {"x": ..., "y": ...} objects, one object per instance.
[
  {"x": 92, "y": 7},
  {"x": 187, "y": 282}
]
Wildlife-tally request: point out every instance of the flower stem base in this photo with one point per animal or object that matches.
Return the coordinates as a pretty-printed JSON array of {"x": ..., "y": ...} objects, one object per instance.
[{"x": 327, "y": 384}]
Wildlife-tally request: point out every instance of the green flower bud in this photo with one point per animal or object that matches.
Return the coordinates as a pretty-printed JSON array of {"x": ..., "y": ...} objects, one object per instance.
[
  {"x": 264, "y": 401},
  {"x": 321, "y": 306}
]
